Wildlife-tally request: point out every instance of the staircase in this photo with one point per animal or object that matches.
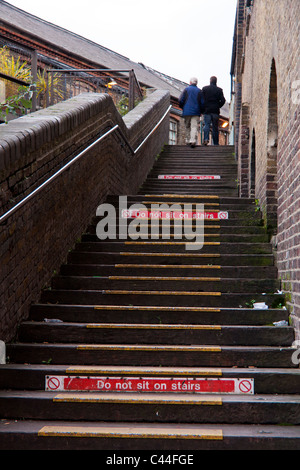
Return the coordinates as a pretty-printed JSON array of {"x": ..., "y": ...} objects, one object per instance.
[{"x": 144, "y": 344}]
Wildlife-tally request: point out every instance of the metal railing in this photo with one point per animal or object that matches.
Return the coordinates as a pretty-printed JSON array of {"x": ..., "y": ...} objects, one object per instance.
[
  {"x": 22, "y": 83},
  {"x": 13, "y": 79},
  {"x": 77, "y": 157},
  {"x": 32, "y": 55},
  {"x": 134, "y": 89},
  {"x": 129, "y": 86}
]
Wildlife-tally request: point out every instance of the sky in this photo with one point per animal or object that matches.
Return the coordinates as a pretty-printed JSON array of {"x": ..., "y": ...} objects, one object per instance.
[{"x": 180, "y": 38}]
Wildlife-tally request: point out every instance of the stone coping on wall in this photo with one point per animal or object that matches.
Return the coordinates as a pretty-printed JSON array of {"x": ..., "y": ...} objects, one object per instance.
[{"x": 28, "y": 133}]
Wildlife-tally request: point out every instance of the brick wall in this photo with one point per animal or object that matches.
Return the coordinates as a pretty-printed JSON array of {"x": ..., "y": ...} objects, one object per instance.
[
  {"x": 268, "y": 72},
  {"x": 35, "y": 240}
]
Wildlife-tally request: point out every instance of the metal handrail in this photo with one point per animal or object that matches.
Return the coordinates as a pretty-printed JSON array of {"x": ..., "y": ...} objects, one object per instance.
[
  {"x": 7, "y": 214},
  {"x": 14, "y": 79},
  {"x": 154, "y": 129}
]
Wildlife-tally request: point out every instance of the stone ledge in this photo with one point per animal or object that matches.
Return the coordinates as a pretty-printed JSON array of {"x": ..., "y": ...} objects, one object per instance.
[{"x": 28, "y": 133}]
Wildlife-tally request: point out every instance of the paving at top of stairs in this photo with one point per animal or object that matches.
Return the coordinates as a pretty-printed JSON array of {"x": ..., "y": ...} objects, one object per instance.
[{"x": 150, "y": 312}]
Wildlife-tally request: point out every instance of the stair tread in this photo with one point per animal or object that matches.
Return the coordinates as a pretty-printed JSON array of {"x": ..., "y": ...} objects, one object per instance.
[
  {"x": 151, "y": 347},
  {"x": 146, "y": 397},
  {"x": 150, "y": 429},
  {"x": 158, "y": 326},
  {"x": 66, "y": 369}
]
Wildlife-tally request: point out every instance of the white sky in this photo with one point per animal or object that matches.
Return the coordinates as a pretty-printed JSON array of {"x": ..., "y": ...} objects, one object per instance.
[{"x": 181, "y": 38}]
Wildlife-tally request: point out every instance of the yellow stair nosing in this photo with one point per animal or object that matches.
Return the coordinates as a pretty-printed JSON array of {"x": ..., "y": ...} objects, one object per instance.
[
  {"x": 132, "y": 432},
  {"x": 172, "y": 235},
  {"x": 178, "y": 202},
  {"x": 145, "y": 371},
  {"x": 160, "y": 278},
  {"x": 147, "y": 243},
  {"x": 142, "y": 347},
  {"x": 151, "y": 326},
  {"x": 139, "y": 292},
  {"x": 170, "y": 266},
  {"x": 118, "y": 397},
  {"x": 186, "y": 222},
  {"x": 182, "y": 196},
  {"x": 176, "y": 255},
  {"x": 155, "y": 308}
]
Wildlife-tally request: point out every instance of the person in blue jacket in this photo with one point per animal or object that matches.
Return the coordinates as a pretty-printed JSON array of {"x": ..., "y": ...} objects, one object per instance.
[{"x": 191, "y": 102}]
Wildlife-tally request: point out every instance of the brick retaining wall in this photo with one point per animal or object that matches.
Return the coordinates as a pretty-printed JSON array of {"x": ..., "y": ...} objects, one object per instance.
[
  {"x": 36, "y": 239},
  {"x": 269, "y": 75}
]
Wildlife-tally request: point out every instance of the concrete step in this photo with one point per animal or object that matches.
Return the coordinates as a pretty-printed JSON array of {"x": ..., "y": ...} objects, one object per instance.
[
  {"x": 110, "y": 333},
  {"x": 183, "y": 199},
  {"x": 242, "y": 260},
  {"x": 187, "y": 235},
  {"x": 157, "y": 298},
  {"x": 174, "y": 247},
  {"x": 83, "y": 435},
  {"x": 123, "y": 269},
  {"x": 152, "y": 315},
  {"x": 226, "y": 192},
  {"x": 151, "y": 407},
  {"x": 226, "y": 226},
  {"x": 152, "y": 355},
  {"x": 35, "y": 376},
  {"x": 159, "y": 281}
]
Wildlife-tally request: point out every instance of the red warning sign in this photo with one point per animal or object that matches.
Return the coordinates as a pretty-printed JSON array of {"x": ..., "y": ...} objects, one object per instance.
[
  {"x": 150, "y": 384},
  {"x": 245, "y": 386},
  {"x": 223, "y": 215},
  {"x": 181, "y": 215},
  {"x": 53, "y": 383},
  {"x": 189, "y": 177}
]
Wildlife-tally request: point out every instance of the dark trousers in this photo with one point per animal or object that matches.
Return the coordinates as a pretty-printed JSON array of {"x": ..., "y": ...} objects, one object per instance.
[{"x": 211, "y": 120}]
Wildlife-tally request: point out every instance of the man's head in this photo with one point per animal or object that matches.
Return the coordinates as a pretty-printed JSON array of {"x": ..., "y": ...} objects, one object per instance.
[
  {"x": 193, "y": 81},
  {"x": 213, "y": 80}
]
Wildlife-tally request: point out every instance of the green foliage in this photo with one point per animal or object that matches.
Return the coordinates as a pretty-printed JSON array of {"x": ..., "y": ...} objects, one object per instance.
[
  {"x": 14, "y": 67},
  {"x": 17, "y": 100},
  {"x": 123, "y": 105},
  {"x": 54, "y": 82}
]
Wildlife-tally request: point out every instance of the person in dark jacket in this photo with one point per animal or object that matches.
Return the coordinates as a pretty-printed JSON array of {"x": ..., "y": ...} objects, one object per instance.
[
  {"x": 191, "y": 102},
  {"x": 213, "y": 101}
]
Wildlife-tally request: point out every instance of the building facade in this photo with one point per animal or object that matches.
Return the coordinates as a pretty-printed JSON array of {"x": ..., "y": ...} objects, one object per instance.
[
  {"x": 265, "y": 124},
  {"x": 54, "y": 48}
]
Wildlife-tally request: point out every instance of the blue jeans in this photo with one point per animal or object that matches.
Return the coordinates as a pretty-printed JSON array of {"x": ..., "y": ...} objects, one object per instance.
[{"x": 213, "y": 120}]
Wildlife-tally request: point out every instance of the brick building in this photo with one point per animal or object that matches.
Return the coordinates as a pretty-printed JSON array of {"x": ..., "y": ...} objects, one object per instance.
[
  {"x": 266, "y": 121},
  {"x": 57, "y": 48}
]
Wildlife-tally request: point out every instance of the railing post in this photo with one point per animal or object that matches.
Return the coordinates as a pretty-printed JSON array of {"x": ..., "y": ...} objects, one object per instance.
[
  {"x": 52, "y": 90},
  {"x": 34, "y": 76},
  {"x": 47, "y": 87},
  {"x": 131, "y": 89}
]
